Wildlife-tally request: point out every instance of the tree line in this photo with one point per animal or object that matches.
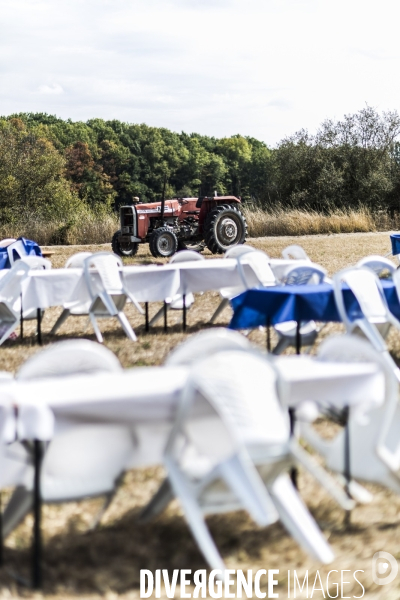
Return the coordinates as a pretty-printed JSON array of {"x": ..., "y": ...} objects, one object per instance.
[{"x": 54, "y": 168}]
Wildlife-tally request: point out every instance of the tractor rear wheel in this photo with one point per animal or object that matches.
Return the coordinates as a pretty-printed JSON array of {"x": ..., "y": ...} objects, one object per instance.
[
  {"x": 224, "y": 226},
  {"x": 123, "y": 248},
  {"x": 163, "y": 242}
]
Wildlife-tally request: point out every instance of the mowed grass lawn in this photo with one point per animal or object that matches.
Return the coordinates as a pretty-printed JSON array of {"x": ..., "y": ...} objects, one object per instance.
[{"x": 105, "y": 563}]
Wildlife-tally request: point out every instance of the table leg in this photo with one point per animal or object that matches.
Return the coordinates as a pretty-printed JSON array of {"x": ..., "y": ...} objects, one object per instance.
[
  {"x": 1, "y": 534},
  {"x": 146, "y": 312},
  {"x": 268, "y": 327},
  {"x": 21, "y": 321},
  {"x": 293, "y": 470},
  {"x": 39, "y": 326},
  {"x": 347, "y": 465},
  {"x": 37, "y": 510},
  {"x": 165, "y": 317},
  {"x": 184, "y": 311},
  {"x": 298, "y": 338}
]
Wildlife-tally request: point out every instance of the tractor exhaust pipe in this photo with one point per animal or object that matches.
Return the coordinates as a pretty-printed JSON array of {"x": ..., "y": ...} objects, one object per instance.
[{"x": 163, "y": 201}]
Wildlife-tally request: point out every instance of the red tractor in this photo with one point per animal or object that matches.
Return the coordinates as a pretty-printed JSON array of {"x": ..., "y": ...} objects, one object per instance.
[{"x": 170, "y": 225}]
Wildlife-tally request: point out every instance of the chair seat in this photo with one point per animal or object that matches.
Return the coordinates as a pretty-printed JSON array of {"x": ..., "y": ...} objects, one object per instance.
[
  {"x": 289, "y": 328},
  {"x": 177, "y": 301},
  {"x": 231, "y": 292}
]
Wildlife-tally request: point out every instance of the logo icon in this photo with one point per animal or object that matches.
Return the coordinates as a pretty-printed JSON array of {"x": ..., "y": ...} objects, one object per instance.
[{"x": 384, "y": 568}]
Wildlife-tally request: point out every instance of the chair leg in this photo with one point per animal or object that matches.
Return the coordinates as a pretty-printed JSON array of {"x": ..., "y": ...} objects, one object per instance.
[
  {"x": 100, "y": 514},
  {"x": 247, "y": 485},
  {"x": 19, "y": 505},
  {"x": 8, "y": 332},
  {"x": 158, "y": 503},
  {"x": 96, "y": 328},
  {"x": 222, "y": 305},
  {"x": 194, "y": 516},
  {"x": 298, "y": 521},
  {"x": 63, "y": 317},
  {"x": 158, "y": 316},
  {"x": 126, "y": 326},
  {"x": 281, "y": 346}
]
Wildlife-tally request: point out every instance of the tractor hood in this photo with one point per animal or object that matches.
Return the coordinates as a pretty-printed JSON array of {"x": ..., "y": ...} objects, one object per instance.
[{"x": 171, "y": 207}]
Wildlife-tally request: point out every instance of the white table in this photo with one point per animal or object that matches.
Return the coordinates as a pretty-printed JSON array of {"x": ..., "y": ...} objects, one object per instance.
[{"x": 330, "y": 383}]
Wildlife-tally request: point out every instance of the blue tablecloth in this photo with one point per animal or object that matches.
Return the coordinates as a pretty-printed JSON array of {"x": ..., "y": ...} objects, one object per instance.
[
  {"x": 298, "y": 303},
  {"x": 31, "y": 248},
  {"x": 395, "y": 241}
]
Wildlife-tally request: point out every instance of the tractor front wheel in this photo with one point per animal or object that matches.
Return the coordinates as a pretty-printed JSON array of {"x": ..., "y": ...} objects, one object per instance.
[
  {"x": 163, "y": 242},
  {"x": 224, "y": 226},
  {"x": 123, "y": 248}
]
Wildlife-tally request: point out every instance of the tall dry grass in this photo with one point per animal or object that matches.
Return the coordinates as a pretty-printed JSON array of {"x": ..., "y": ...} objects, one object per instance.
[
  {"x": 88, "y": 229},
  {"x": 278, "y": 221}
]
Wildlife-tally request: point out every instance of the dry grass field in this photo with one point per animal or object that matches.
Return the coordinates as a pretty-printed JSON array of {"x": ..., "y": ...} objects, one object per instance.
[{"x": 105, "y": 563}]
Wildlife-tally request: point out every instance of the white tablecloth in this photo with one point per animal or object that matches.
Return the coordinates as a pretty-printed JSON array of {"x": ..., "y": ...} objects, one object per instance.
[{"x": 150, "y": 283}]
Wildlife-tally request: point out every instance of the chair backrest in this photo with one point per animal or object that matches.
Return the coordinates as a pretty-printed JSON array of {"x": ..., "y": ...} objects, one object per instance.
[
  {"x": 378, "y": 264},
  {"x": 69, "y": 358},
  {"x": 6, "y": 242},
  {"x": 352, "y": 349},
  {"x": 108, "y": 266},
  {"x": 238, "y": 250},
  {"x": 83, "y": 459},
  {"x": 207, "y": 343},
  {"x": 259, "y": 263},
  {"x": 303, "y": 274},
  {"x": 296, "y": 252},
  {"x": 76, "y": 260},
  {"x": 367, "y": 289},
  {"x": 10, "y": 284},
  {"x": 36, "y": 262},
  {"x": 186, "y": 255},
  {"x": 16, "y": 250},
  {"x": 242, "y": 387}
]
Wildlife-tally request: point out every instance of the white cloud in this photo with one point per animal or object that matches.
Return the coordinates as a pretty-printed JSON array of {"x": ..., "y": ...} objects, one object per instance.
[
  {"x": 264, "y": 68},
  {"x": 55, "y": 88}
]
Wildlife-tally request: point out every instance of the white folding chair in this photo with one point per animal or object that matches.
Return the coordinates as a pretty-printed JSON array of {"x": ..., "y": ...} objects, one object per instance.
[
  {"x": 239, "y": 250},
  {"x": 104, "y": 278},
  {"x": 37, "y": 263},
  {"x": 380, "y": 265},
  {"x": 206, "y": 343},
  {"x": 81, "y": 460},
  {"x": 176, "y": 302},
  {"x": 76, "y": 260},
  {"x": 372, "y": 428},
  {"x": 302, "y": 274},
  {"x": 230, "y": 449},
  {"x": 6, "y": 242},
  {"x": 260, "y": 265},
  {"x": 107, "y": 291},
  {"x": 76, "y": 308},
  {"x": 238, "y": 377},
  {"x": 10, "y": 298},
  {"x": 15, "y": 251},
  {"x": 295, "y": 252},
  {"x": 376, "y": 318},
  {"x": 228, "y": 293}
]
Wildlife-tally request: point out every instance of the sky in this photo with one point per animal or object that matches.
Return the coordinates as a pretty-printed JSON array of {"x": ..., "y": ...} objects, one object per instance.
[{"x": 260, "y": 68}]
